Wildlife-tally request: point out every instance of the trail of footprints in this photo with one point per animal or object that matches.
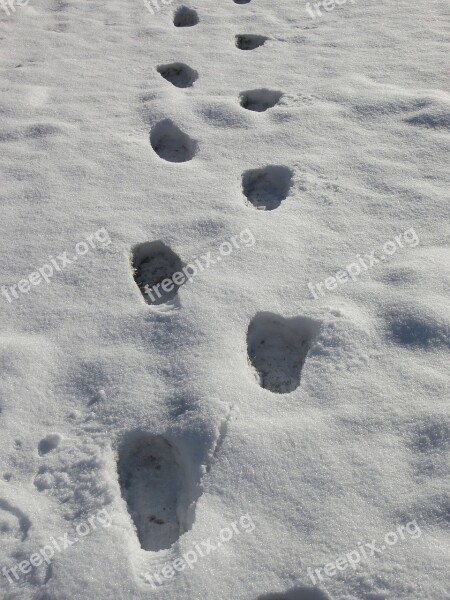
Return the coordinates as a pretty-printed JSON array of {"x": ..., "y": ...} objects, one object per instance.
[
  {"x": 149, "y": 466},
  {"x": 150, "y": 475}
]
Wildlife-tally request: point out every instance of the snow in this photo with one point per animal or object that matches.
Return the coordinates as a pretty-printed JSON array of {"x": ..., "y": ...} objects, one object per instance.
[{"x": 287, "y": 396}]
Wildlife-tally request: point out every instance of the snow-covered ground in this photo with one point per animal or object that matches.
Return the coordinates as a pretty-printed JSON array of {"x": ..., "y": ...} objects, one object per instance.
[{"x": 225, "y": 327}]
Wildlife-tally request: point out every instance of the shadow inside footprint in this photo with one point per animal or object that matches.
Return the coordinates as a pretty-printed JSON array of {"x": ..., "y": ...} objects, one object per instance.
[
  {"x": 171, "y": 144},
  {"x": 151, "y": 480},
  {"x": 299, "y": 593},
  {"x": 266, "y": 188},
  {"x": 178, "y": 74},
  {"x": 241, "y": 1},
  {"x": 185, "y": 17},
  {"x": 277, "y": 350},
  {"x": 155, "y": 269},
  {"x": 49, "y": 443},
  {"x": 260, "y": 100},
  {"x": 249, "y": 42}
]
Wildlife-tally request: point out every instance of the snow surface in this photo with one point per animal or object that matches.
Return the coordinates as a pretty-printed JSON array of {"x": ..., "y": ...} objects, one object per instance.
[{"x": 314, "y": 421}]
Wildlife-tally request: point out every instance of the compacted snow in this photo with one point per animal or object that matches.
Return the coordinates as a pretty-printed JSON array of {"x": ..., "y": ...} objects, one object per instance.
[{"x": 225, "y": 331}]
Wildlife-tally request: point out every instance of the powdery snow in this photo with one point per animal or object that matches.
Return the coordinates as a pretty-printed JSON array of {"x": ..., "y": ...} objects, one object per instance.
[{"x": 272, "y": 423}]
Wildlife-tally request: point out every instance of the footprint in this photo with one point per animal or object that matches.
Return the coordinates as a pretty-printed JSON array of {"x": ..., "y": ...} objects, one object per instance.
[
  {"x": 185, "y": 17},
  {"x": 260, "y": 100},
  {"x": 49, "y": 443},
  {"x": 14, "y": 524},
  {"x": 277, "y": 350},
  {"x": 249, "y": 42},
  {"x": 151, "y": 480},
  {"x": 299, "y": 593},
  {"x": 178, "y": 74},
  {"x": 241, "y": 1},
  {"x": 266, "y": 188},
  {"x": 154, "y": 265},
  {"x": 171, "y": 144}
]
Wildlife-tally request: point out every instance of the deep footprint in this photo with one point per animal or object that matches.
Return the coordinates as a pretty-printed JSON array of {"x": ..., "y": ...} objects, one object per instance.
[
  {"x": 249, "y": 42},
  {"x": 266, "y": 188},
  {"x": 178, "y": 74},
  {"x": 260, "y": 100},
  {"x": 171, "y": 144},
  {"x": 151, "y": 481},
  {"x": 153, "y": 263},
  {"x": 49, "y": 443},
  {"x": 185, "y": 17},
  {"x": 277, "y": 350}
]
